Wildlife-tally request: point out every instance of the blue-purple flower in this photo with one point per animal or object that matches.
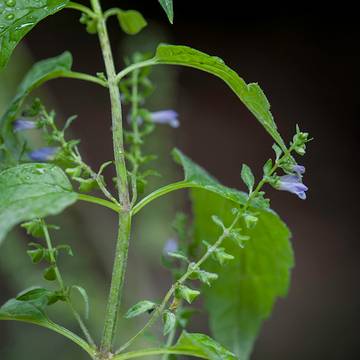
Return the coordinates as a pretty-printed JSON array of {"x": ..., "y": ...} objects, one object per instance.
[
  {"x": 169, "y": 117},
  {"x": 43, "y": 154},
  {"x": 171, "y": 246},
  {"x": 298, "y": 169},
  {"x": 293, "y": 184},
  {"x": 23, "y": 124}
]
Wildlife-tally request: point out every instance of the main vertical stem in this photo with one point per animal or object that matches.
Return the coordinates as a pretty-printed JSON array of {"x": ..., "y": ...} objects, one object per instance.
[{"x": 124, "y": 228}]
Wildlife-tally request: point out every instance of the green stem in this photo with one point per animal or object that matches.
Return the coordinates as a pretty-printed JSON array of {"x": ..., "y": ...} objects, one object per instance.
[
  {"x": 133, "y": 67},
  {"x": 160, "y": 192},
  {"x": 111, "y": 12},
  {"x": 124, "y": 228},
  {"x": 99, "y": 201},
  {"x": 71, "y": 336},
  {"x": 157, "y": 351},
  {"x": 62, "y": 285},
  {"x": 84, "y": 9},
  {"x": 169, "y": 342},
  {"x": 82, "y": 76}
]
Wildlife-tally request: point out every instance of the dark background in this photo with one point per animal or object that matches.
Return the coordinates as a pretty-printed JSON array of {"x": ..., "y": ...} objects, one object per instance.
[{"x": 307, "y": 62}]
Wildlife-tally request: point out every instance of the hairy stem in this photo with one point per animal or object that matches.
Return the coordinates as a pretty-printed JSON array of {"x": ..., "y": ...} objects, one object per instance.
[
  {"x": 124, "y": 228},
  {"x": 62, "y": 285}
]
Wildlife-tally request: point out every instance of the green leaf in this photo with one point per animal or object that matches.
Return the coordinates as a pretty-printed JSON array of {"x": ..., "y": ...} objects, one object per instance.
[
  {"x": 131, "y": 21},
  {"x": 11, "y": 146},
  {"x": 30, "y": 307},
  {"x": 31, "y": 191},
  {"x": 50, "y": 273},
  {"x": 167, "y": 5},
  {"x": 247, "y": 177},
  {"x": 187, "y": 293},
  {"x": 140, "y": 308},
  {"x": 169, "y": 319},
  {"x": 248, "y": 286},
  {"x": 202, "y": 346},
  {"x": 18, "y": 17},
  {"x": 250, "y": 94},
  {"x": 197, "y": 177}
]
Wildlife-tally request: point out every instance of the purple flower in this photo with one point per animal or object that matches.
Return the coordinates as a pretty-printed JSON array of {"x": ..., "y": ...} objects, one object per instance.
[
  {"x": 171, "y": 246},
  {"x": 169, "y": 117},
  {"x": 293, "y": 184},
  {"x": 23, "y": 124},
  {"x": 298, "y": 169},
  {"x": 43, "y": 154}
]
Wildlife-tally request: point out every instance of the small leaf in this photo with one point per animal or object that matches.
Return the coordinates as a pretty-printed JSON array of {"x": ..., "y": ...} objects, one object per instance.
[
  {"x": 202, "y": 346},
  {"x": 36, "y": 255},
  {"x": 247, "y": 177},
  {"x": 207, "y": 277},
  {"x": 268, "y": 167},
  {"x": 66, "y": 248},
  {"x": 50, "y": 273},
  {"x": 167, "y": 5},
  {"x": 34, "y": 228},
  {"x": 30, "y": 191},
  {"x": 217, "y": 221},
  {"x": 239, "y": 238},
  {"x": 178, "y": 255},
  {"x": 85, "y": 297},
  {"x": 169, "y": 319},
  {"x": 222, "y": 256},
  {"x": 250, "y": 220},
  {"x": 187, "y": 293},
  {"x": 131, "y": 21},
  {"x": 204, "y": 276},
  {"x": 140, "y": 308},
  {"x": 18, "y": 17},
  {"x": 277, "y": 150}
]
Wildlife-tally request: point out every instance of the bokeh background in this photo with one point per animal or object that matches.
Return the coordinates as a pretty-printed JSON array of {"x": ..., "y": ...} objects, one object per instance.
[{"x": 307, "y": 62}]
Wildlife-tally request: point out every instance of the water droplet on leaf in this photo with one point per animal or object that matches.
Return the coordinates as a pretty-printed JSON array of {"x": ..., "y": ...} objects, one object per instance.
[
  {"x": 10, "y": 16},
  {"x": 10, "y": 3}
]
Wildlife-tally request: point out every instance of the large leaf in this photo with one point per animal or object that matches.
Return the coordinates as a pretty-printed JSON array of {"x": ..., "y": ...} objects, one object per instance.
[
  {"x": 167, "y": 5},
  {"x": 18, "y": 17},
  {"x": 197, "y": 177},
  {"x": 10, "y": 144},
  {"x": 250, "y": 94},
  {"x": 247, "y": 287},
  {"x": 31, "y": 309},
  {"x": 202, "y": 346},
  {"x": 31, "y": 191}
]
